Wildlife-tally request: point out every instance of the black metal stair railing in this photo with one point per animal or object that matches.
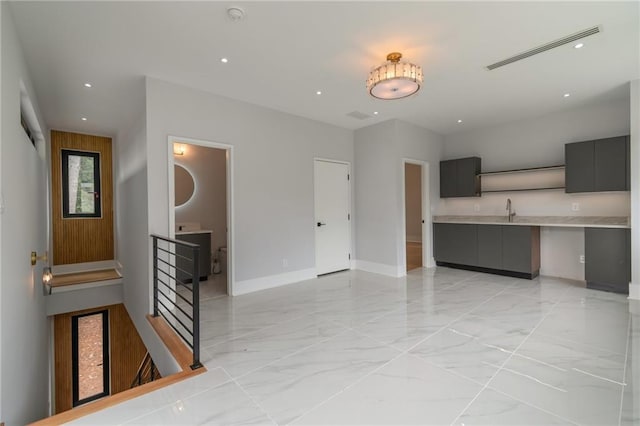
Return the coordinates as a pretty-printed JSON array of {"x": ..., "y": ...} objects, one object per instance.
[
  {"x": 147, "y": 372},
  {"x": 176, "y": 289}
]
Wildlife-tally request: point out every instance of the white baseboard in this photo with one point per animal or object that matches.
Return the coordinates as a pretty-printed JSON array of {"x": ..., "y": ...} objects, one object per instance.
[
  {"x": 379, "y": 268},
  {"x": 271, "y": 281},
  {"x": 634, "y": 291},
  {"x": 431, "y": 262}
]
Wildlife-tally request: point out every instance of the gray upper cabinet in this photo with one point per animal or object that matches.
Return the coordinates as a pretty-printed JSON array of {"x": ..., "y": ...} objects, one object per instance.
[
  {"x": 607, "y": 259},
  {"x": 448, "y": 179},
  {"x": 459, "y": 177},
  {"x": 580, "y": 173},
  {"x": 598, "y": 165},
  {"x": 611, "y": 164}
]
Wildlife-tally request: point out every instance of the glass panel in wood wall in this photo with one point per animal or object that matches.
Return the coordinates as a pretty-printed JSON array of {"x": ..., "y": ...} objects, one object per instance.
[{"x": 90, "y": 339}]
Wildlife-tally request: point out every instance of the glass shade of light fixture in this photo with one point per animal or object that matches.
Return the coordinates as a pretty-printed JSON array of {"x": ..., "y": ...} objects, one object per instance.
[
  {"x": 179, "y": 149},
  {"x": 395, "y": 79},
  {"x": 47, "y": 276}
]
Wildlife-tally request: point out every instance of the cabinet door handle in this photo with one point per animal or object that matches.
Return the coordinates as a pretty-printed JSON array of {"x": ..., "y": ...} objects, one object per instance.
[{"x": 321, "y": 224}]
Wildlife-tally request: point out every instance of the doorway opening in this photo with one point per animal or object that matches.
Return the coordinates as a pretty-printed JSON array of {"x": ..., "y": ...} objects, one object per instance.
[
  {"x": 200, "y": 190},
  {"x": 416, "y": 234}
]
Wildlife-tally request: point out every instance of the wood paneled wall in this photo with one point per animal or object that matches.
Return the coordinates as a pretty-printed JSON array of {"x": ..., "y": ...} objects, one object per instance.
[
  {"x": 125, "y": 346},
  {"x": 78, "y": 240}
]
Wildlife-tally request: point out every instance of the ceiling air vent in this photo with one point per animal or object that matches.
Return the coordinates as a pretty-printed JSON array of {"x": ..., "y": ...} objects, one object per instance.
[
  {"x": 545, "y": 47},
  {"x": 358, "y": 115}
]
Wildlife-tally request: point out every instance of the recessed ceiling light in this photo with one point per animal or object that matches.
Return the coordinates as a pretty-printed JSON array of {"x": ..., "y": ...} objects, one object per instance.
[
  {"x": 84, "y": 118},
  {"x": 224, "y": 60},
  {"x": 87, "y": 85},
  {"x": 566, "y": 95},
  {"x": 318, "y": 92},
  {"x": 459, "y": 121},
  {"x": 375, "y": 112},
  {"x": 579, "y": 45}
]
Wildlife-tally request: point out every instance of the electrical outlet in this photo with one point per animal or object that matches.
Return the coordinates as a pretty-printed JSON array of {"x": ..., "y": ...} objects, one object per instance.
[
  {"x": 476, "y": 207},
  {"x": 285, "y": 263},
  {"x": 582, "y": 258},
  {"x": 575, "y": 207}
]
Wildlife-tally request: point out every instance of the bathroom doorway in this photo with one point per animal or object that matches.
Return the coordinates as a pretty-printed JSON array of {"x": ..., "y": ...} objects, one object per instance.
[{"x": 200, "y": 209}]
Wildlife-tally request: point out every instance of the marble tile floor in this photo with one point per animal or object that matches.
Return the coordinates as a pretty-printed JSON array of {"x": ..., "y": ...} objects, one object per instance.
[{"x": 439, "y": 346}]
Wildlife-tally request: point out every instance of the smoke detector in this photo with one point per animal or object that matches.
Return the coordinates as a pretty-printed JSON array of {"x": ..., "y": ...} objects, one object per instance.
[{"x": 235, "y": 13}]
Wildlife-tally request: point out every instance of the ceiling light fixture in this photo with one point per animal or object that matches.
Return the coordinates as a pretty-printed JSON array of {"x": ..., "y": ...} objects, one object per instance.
[
  {"x": 566, "y": 95},
  {"x": 84, "y": 118},
  {"x": 318, "y": 92},
  {"x": 88, "y": 85},
  {"x": 459, "y": 121},
  {"x": 224, "y": 60},
  {"x": 395, "y": 80},
  {"x": 375, "y": 112},
  {"x": 579, "y": 45}
]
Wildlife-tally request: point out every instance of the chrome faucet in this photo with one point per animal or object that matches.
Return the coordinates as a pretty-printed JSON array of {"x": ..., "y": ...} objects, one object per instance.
[{"x": 511, "y": 214}]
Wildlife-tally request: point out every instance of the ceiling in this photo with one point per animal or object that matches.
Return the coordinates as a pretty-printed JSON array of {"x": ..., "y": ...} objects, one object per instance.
[{"x": 283, "y": 52}]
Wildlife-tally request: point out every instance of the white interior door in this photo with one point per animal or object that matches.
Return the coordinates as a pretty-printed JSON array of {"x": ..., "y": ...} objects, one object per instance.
[{"x": 332, "y": 216}]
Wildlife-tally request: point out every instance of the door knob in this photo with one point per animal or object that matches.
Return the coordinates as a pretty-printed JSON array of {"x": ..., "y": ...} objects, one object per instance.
[{"x": 321, "y": 224}]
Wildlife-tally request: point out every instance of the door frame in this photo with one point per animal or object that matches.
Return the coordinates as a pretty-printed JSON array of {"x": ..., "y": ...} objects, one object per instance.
[
  {"x": 427, "y": 233},
  {"x": 231, "y": 258},
  {"x": 349, "y": 202}
]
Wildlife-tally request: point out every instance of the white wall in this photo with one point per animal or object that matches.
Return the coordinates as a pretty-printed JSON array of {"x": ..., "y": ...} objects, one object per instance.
[
  {"x": 634, "y": 116},
  {"x": 379, "y": 174},
  {"x": 208, "y": 206},
  {"x": 375, "y": 197},
  {"x": 132, "y": 235},
  {"x": 540, "y": 142},
  {"x": 418, "y": 143},
  {"x": 272, "y": 171},
  {"x": 24, "y": 375}
]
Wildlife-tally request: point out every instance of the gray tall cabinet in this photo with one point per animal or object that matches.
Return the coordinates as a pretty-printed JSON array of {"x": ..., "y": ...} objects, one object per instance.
[{"x": 607, "y": 259}]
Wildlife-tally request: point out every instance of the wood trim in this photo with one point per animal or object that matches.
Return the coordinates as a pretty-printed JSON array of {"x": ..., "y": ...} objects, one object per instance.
[
  {"x": 80, "y": 240},
  {"x": 119, "y": 398},
  {"x": 173, "y": 342},
  {"x": 84, "y": 277},
  {"x": 178, "y": 350}
]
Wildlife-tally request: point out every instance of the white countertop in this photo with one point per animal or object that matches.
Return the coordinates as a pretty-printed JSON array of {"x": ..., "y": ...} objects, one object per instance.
[
  {"x": 558, "y": 221},
  {"x": 199, "y": 231}
]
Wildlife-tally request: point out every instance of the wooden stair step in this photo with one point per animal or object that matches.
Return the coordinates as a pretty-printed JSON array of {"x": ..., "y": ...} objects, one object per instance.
[{"x": 62, "y": 280}]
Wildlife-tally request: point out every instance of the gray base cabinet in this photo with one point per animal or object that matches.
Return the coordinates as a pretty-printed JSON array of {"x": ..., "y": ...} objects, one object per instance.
[
  {"x": 521, "y": 248},
  {"x": 456, "y": 243},
  {"x": 490, "y": 246},
  {"x": 608, "y": 259},
  {"x": 502, "y": 249},
  {"x": 203, "y": 239}
]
